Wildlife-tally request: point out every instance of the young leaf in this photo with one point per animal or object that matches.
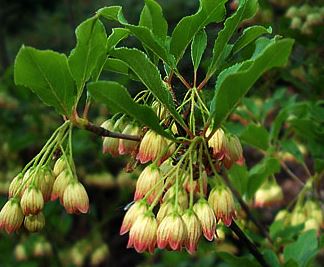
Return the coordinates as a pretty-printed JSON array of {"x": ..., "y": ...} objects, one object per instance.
[
  {"x": 303, "y": 250},
  {"x": 149, "y": 75},
  {"x": 198, "y": 47},
  {"x": 116, "y": 96},
  {"x": 144, "y": 34},
  {"x": 233, "y": 83},
  {"x": 246, "y": 10},
  {"x": 249, "y": 35},
  {"x": 91, "y": 46},
  {"x": 291, "y": 147},
  {"x": 256, "y": 135},
  {"x": 209, "y": 11},
  {"x": 48, "y": 75},
  {"x": 154, "y": 19}
]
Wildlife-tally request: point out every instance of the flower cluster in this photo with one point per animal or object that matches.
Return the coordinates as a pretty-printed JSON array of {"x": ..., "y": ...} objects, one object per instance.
[
  {"x": 29, "y": 192},
  {"x": 178, "y": 181},
  {"x": 308, "y": 214},
  {"x": 268, "y": 194}
]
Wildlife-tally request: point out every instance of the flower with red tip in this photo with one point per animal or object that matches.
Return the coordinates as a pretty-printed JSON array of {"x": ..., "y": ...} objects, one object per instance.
[
  {"x": 59, "y": 166},
  {"x": 165, "y": 209},
  {"x": 193, "y": 229},
  {"x": 148, "y": 179},
  {"x": 233, "y": 152},
  {"x": 172, "y": 232},
  {"x": 206, "y": 217},
  {"x": 129, "y": 146},
  {"x": 34, "y": 223},
  {"x": 32, "y": 201},
  {"x": 110, "y": 145},
  {"x": 45, "y": 180},
  {"x": 152, "y": 146},
  {"x": 75, "y": 198},
  {"x": 218, "y": 143},
  {"x": 269, "y": 194},
  {"x": 142, "y": 235},
  {"x": 138, "y": 208},
  {"x": 11, "y": 216},
  {"x": 222, "y": 202},
  {"x": 60, "y": 185},
  {"x": 15, "y": 185}
]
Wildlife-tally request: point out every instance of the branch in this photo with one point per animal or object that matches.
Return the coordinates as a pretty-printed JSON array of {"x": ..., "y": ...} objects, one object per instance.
[
  {"x": 251, "y": 246},
  {"x": 104, "y": 132},
  {"x": 291, "y": 174}
]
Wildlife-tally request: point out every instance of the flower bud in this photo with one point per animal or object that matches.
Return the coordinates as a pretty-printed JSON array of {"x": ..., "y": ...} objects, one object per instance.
[
  {"x": 206, "y": 217},
  {"x": 32, "y": 201},
  {"x": 269, "y": 194},
  {"x": 222, "y": 202},
  {"x": 233, "y": 152},
  {"x": 182, "y": 196},
  {"x": 165, "y": 209},
  {"x": 99, "y": 255},
  {"x": 142, "y": 235},
  {"x": 75, "y": 198},
  {"x": 20, "y": 253},
  {"x": 15, "y": 185},
  {"x": 110, "y": 145},
  {"x": 45, "y": 182},
  {"x": 297, "y": 217},
  {"x": 296, "y": 23},
  {"x": 59, "y": 166},
  {"x": 193, "y": 229},
  {"x": 282, "y": 215},
  {"x": 27, "y": 179},
  {"x": 218, "y": 143},
  {"x": 151, "y": 147},
  {"x": 292, "y": 12},
  {"x": 148, "y": 179},
  {"x": 60, "y": 185},
  {"x": 311, "y": 224},
  {"x": 138, "y": 208},
  {"x": 196, "y": 184},
  {"x": 172, "y": 232},
  {"x": 34, "y": 223},
  {"x": 129, "y": 146},
  {"x": 11, "y": 216}
]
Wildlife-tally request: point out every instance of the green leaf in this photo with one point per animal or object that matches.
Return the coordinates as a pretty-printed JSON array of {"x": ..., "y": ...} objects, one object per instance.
[
  {"x": 144, "y": 34},
  {"x": 303, "y": 250},
  {"x": 91, "y": 47},
  {"x": 149, "y": 75},
  {"x": 152, "y": 17},
  {"x": 257, "y": 175},
  {"x": 235, "y": 261},
  {"x": 249, "y": 35},
  {"x": 120, "y": 67},
  {"x": 271, "y": 258},
  {"x": 116, "y": 97},
  {"x": 256, "y": 135},
  {"x": 117, "y": 35},
  {"x": 112, "y": 13},
  {"x": 234, "y": 82},
  {"x": 198, "y": 47},
  {"x": 48, "y": 75},
  {"x": 239, "y": 177},
  {"x": 209, "y": 11},
  {"x": 246, "y": 10}
]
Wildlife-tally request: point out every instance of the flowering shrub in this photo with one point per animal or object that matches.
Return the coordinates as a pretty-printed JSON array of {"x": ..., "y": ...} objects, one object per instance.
[{"x": 171, "y": 124}]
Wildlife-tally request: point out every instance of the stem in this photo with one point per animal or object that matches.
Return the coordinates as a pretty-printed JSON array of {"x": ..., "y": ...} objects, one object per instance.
[
  {"x": 191, "y": 181},
  {"x": 249, "y": 244},
  {"x": 291, "y": 174},
  {"x": 185, "y": 83}
]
